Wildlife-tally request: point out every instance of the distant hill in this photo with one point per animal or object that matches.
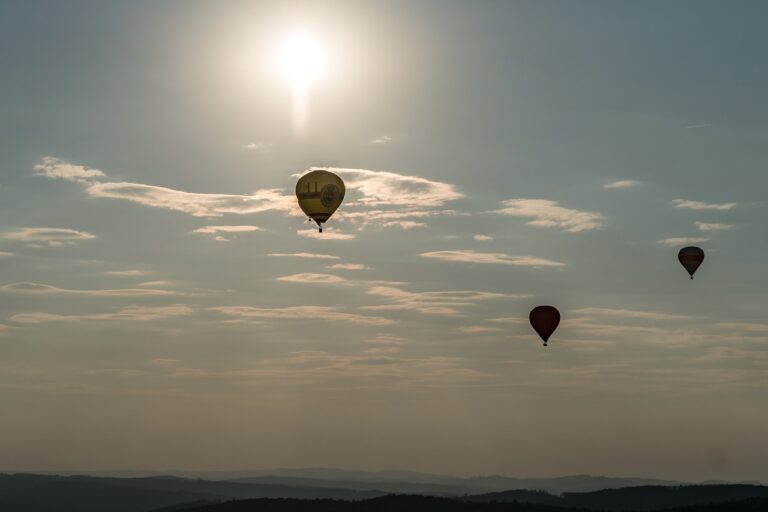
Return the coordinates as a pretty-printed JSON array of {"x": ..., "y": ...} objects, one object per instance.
[
  {"x": 406, "y": 482},
  {"x": 48, "y": 493},
  {"x": 433, "y": 504},
  {"x": 402, "y": 503},
  {"x": 424, "y": 483},
  {"x": 634, "y": 498},
  {"x": 44, "y": 493}
]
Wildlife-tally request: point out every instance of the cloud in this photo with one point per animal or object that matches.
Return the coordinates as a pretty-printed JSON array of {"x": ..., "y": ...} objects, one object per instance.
[
  {"x": 622, "y": 184},
  {"x": 195, "y": 204},
  {"x": 349, "y": 266},
  {"x": 549, "y": 214},
  {"x": 478, "y": 329},
  {"x": 629, "y": 313},
  {"x": 713, "y": 226},
  {"x": 744, "y": 326},
  {"x": 126, "y": 273},
  {"x": 431, "y": 303},
  {"x": 383, "y": 350},
  {"x": 308, "y": 255},
  {"x": 508, "y": 320},
  {"x": 55, "y": 168},
  {"x": 156, "y": 283},
  {"x": 44, "y": 289},
  {"x": 673, "y": 242},
  {"x": 133, "y": 313},
  {"x": 212, "y": 230},
  {"x": 313, "y": 278},
  {"x": 384, "y": 139},
  {"x": 389, "y": 188},
  {"x": 404, "y": 224},
  {"x": 387, "y": 369},
  {"x": 215, "y": 230},
  {"x": 53, "y": 237},
  {"x": 467, "y": 256},
  {"x": 483, "y": 238},
  {"x": 698, "y": 205},
  {"x": 5, "y": 254},
  {"x": 302, "y": 312},
  {"x": 260, "y": 146},
  {"x": 325, "y": 235},
  {"x": 386, "y": 339},
  {"x": 407, "y": 217}
]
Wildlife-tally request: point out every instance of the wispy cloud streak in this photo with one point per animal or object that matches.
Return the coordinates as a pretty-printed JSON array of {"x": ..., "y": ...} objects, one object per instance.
[
  {"x": 469, "y": 256},
  {"x": 550, "y": 214}
]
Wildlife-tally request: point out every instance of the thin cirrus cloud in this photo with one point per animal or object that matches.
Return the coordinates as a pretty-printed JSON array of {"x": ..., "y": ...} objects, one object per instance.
[
  {"x": 629, "y": 313},
  {"x": 44, "y": 289},
  {"x": 348, "y": 266},
  {"x": 5, "y": 254},
  {"x": 389, "y": 188},
  {"x": 52, "y": 237},
  {"x": 313, "y": 278},
  {"x": 307, "y": 255},
  {"x": 327, "y": 235},
  {"x": 405, "y": 224},
  {"x": 549, "y": 214},
  {"x": 483, "y": 238},
  {"x": 478, "y": 329},
  {"x": 699, "y": 205},
  {"x": 302, "y": 312},
  {"x": 407, "y": 217},
  {"x": 675, "y": 241},
  {"x": 468, "y": 256},
  {"x": 713, "y": 226},
  {"x": 373, "y": 188},
  {"x": 192, "y": 203},
  {"x": 431, "y": 303},
  {"x": 214, "y": 230},
  {"x": 383, "y": 140},
  {"x": 622, "y": 184},
  {"x": 133, "y": 313},
  {"x": 744, "y": 326},
  {"x": 126, "y": 273},
  {"x": 56, "y": 168}
]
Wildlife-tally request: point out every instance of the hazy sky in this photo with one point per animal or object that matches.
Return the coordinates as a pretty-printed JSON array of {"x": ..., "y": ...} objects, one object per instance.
[{"x": 163, "y": 305}]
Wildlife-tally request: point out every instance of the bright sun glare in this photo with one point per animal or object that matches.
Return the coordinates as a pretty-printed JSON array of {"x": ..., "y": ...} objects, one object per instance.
[{"x": 302, "y": 60}]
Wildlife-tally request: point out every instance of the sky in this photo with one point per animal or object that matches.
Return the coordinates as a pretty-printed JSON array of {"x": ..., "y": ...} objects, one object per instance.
[{"x": 164, "y": 304}]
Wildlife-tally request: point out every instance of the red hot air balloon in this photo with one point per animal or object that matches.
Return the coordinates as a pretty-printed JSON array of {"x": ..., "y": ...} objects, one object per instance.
[
  {"x": 544, "y": 320},
  {"x": 691, "y": 258}
]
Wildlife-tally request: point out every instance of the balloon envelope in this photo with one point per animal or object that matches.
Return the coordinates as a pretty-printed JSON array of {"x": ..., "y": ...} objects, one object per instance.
[
  {"x": 691, "y": 258},
  {"x": 544, "y": 320},
  {"x": 320, "y": 193}
]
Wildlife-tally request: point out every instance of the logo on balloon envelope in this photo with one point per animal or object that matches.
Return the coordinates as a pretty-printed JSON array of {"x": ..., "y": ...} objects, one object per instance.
[{"x": 329, "y": 195}]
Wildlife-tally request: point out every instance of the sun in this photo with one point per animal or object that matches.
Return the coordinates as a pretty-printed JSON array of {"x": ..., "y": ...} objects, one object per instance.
[{"x": 302, "y": 60}]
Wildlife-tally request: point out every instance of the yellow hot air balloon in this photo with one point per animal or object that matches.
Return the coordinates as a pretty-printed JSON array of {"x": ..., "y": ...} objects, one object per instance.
[{"x": 320, "y": 193}]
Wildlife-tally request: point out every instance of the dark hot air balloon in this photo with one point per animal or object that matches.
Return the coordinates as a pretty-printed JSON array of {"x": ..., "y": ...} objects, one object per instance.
[
  {"x": 691, "y": 258},
  {"x": 319, "y": 193},
  {"x": 544, "y": 320}
]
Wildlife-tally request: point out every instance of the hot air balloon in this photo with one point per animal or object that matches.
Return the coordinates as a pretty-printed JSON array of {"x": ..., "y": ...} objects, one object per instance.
[
  {"x": 691, "y": 258},
  {"x": 544, "y": 320},
  {"x": 319, "y": 193}
]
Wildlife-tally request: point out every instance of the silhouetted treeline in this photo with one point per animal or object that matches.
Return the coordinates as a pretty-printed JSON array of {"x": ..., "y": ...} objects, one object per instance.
[
  {"x": 49, "y": 493},
  {"x": 433, "y": 504},
  {"x": 43, "y": 493},
  {"x": 634, "y": 498}
]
